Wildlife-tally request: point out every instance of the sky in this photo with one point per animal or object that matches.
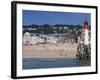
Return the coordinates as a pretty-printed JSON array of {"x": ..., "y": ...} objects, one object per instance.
[{"x": 52, "y": 18}]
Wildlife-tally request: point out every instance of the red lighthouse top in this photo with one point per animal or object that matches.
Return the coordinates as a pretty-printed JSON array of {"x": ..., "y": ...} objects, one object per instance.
[{"x": 86, "y": 26}]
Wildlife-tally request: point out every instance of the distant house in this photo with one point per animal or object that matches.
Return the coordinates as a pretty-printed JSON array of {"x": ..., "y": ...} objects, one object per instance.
[
  {"x": 52, "y": 39},
  {"x": 27, "y": 38}
]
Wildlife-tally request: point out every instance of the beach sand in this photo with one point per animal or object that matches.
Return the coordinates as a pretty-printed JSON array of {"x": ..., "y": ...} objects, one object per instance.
[{"x": 61, "y": 50}]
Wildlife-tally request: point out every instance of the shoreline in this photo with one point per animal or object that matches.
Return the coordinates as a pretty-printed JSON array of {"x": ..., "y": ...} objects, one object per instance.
[{"x": 61, "y": 50}]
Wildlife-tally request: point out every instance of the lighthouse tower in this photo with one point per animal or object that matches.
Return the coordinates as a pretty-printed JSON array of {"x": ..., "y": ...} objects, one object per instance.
[
  {"x": 85, "y": 33},
  {"x": 83, "y": 48}
]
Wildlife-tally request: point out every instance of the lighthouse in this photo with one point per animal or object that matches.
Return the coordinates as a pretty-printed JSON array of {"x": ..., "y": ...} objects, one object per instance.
[
  {"x": 86, "y": 32},
  {"x": 84, "y": 48}
]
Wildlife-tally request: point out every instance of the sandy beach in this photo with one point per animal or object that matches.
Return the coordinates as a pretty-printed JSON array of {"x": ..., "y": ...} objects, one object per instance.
[{"x": 61, "y": 50}]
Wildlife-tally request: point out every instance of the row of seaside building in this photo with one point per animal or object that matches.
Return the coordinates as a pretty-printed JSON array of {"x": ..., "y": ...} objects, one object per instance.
[
  {"x": 74, "y": 35},
  {"x": 28, "y": 38}
]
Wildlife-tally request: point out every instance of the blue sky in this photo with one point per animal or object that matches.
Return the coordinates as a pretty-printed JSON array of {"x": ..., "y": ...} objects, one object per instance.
[{"x": 48, "y": 17}]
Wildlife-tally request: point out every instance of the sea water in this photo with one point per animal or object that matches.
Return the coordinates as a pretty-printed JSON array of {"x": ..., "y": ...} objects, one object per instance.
[{"x": 38, "y": 63}]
